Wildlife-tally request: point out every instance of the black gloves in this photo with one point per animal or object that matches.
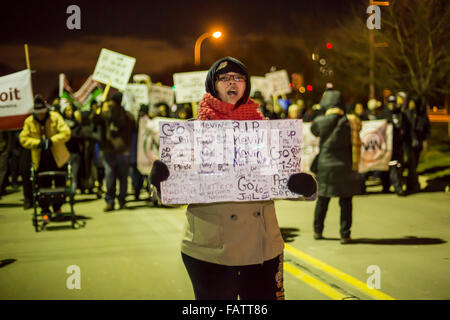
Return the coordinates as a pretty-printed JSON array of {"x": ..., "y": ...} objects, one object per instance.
[
  {"x": 159, "y": 173},
  {"x": 302, "y": 183},
  {"x": 45, "y": 144}
]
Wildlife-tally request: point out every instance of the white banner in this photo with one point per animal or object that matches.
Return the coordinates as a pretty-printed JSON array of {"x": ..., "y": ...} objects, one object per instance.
[
  {"x": 113, "y": 68},
  {"x": 263, "y": 85},
  {"x": 189, "y": 86},
  {"x": 376, "y": 146},
  {"x": 215, "y": 161},
  {"x": 16, "y": 99},
  {"x": 280, "y": 81},
  {"x": 159, "y": 93}
]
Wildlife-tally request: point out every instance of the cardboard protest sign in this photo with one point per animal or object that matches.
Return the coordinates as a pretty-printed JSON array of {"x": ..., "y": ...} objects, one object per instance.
[
  {"x": 263, "y": 85},
  {"x": 215, "y": 161},
  {"x": 113, "y": 68},
  {"x": 310, "y": 147},
  {"x": 16, "y": 99},
  {"x": 280, "y": 81},
  {"x": 376, "y": 145},
  {"x": 133, "y": 96},
  {"x": 142, "y": 78},
  {"x": 159, "y": 93},
  {"x": 189, "y": 86},
  {"x": 148, "y": 142}
]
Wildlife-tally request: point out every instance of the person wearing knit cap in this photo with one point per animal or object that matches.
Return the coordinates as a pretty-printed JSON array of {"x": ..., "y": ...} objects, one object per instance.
[
  {"x": 45, "y": 133},
  {"x": 233, "y": 249}
]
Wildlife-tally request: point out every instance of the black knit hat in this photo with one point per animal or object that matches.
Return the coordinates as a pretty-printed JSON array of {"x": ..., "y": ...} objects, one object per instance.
[
  {"x": 225, "y": 65},
  {"x": 39, "y": 105}
]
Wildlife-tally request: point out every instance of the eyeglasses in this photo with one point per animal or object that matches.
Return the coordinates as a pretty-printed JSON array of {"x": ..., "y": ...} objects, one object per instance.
[{"x": 228, "y": 77}]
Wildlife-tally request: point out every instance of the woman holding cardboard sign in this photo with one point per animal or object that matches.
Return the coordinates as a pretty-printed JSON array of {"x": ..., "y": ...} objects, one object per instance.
[{"x": 233, "y": 249}]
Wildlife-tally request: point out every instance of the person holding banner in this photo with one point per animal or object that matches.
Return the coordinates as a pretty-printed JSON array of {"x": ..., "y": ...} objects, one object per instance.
[
  {"x": 232, "y": 249},
  {"x": 45, "y": 133},
  {"x": 337, "y": 164}
]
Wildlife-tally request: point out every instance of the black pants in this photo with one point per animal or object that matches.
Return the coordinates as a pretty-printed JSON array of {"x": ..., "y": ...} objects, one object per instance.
[
  {"x": 396, "y": 177},
  {"x": 219, "y": 282},
  {"x": 320, "y": 213},
  {"x": 25, "y": 171},
  {"x": 412, "y": 182}
]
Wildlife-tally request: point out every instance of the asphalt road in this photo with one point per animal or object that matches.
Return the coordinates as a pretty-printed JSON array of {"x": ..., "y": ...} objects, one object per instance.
[{"x": 401, "y": 248}]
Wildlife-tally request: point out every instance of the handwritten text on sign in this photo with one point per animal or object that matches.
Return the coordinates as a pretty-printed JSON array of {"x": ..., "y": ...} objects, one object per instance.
[
  {"x": 113, "y": 68},
  {"x": 216, "y": 161}
]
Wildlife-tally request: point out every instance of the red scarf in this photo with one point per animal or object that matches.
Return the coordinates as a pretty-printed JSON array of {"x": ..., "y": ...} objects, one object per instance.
[{"x": 211, "y": 108}]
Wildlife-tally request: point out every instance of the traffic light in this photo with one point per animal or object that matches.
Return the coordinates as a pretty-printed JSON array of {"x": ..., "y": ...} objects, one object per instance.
[
  {"x": 329, "y": 45},
  {"x": 309, "y": 87}
]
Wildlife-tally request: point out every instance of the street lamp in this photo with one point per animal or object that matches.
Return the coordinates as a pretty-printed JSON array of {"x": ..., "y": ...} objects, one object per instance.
[{"x": 199, "y": 41}]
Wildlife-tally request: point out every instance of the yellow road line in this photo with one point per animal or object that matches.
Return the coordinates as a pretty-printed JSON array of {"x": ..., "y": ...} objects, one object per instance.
[
  {"x": 313, "y": 282},
  {"x": 377, "y": 294}
]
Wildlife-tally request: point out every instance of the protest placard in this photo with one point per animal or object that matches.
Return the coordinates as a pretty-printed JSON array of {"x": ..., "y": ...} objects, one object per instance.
[
  {"x": 280, "y": 81},
  {"x": 214, "y": 161},
  {"x": 133, "y": 96},
  {"x": 113, "y": 68},
  {"x": 263, "y": 85},
  {"x": 16, "y": 99},
  {"x": 310, "y": 147},
  {"x": 376, "y": 145},
  {"x": 160, "y": 93},
  {"x": 148, "y": 142},
  {"x": 189, "y": 86}
]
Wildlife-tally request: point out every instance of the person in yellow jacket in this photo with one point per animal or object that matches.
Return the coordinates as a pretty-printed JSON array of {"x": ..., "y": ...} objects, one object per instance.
[{"x": 45, "y": 133}]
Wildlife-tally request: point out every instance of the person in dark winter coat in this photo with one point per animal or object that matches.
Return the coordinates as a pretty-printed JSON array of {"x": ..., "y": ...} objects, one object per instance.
[
  {"x": 337, "y": 164},
  {"x": 117, "y": 126},
  {"x": 419, "y": 131},
  {"x": 400, "y": 140}
]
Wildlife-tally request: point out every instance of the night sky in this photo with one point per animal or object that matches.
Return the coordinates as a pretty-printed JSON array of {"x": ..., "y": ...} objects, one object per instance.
[{"x": 160, "y": 34}]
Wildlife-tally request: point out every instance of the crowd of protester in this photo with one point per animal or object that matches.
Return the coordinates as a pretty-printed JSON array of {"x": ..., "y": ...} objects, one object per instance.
[{"x": 102, "y": 147}]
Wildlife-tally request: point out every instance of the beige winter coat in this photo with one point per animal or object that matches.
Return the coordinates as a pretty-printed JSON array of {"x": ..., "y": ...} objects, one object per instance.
[{"x": 232, "y": 233}]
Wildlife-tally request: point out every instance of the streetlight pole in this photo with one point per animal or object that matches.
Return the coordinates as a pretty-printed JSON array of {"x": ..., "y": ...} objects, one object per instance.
[{"x": 198, "y": 44}]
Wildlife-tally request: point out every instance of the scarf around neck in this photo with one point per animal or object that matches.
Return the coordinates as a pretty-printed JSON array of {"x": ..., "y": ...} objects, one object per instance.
[{"x": 211, "y": 108}]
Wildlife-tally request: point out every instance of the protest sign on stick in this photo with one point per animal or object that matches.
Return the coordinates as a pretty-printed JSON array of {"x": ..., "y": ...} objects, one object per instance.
[
  {"x": 214, "y": 161},
  {"x": 263, "y": 85},
  {"x": 280, "y": 82},
  {"x": 114, "y": 69},
  {"x": 189, "y": 86},
  {"x": 160, "y": 93},
  {"x": 134, "y": 96}
]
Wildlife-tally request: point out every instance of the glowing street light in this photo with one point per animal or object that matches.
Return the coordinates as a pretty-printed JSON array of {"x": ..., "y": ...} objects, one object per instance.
[{"x": 198, "y": 44}]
